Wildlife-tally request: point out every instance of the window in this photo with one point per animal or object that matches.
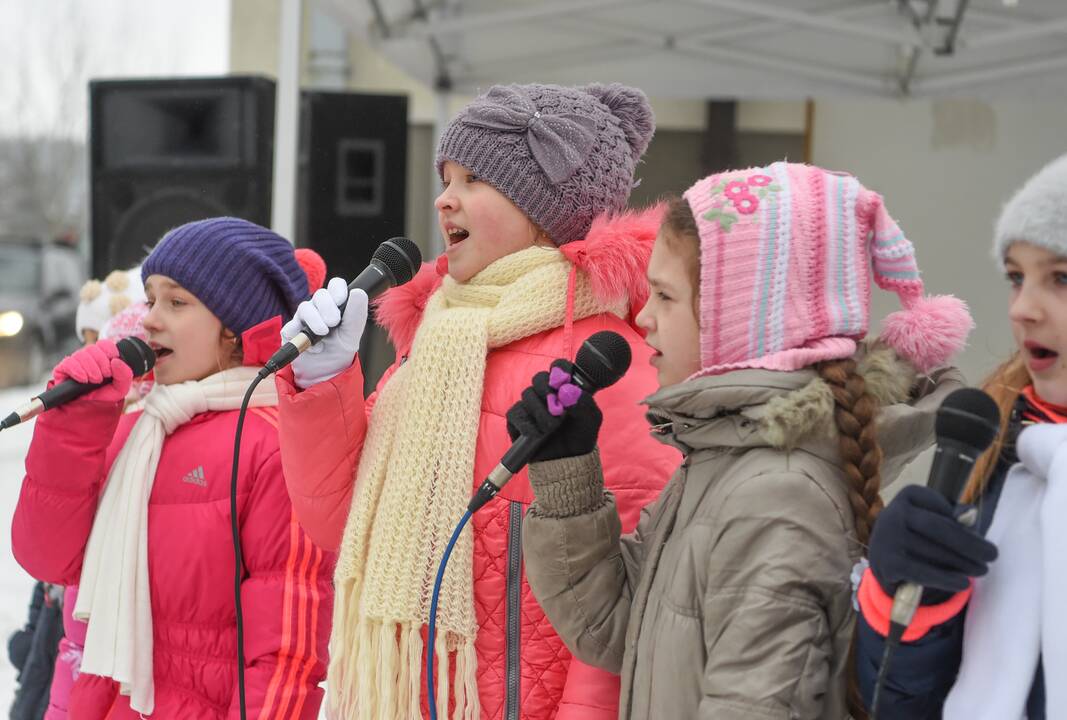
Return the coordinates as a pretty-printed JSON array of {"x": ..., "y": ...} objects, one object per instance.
[{"x": 360, "y": 177}]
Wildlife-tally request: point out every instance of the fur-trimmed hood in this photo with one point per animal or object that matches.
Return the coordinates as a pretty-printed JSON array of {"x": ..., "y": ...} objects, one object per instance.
[
  {"x": 795, "y": 410},
  {"x": 614, "y": 255}
]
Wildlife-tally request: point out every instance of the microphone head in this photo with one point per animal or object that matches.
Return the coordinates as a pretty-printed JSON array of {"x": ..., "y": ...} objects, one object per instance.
[
  {"x": 968, "y": 417},
  {"x": 401, "y": 257},
  {"x": 603, "y": 359},
  {"x": 136, "y": 353}
]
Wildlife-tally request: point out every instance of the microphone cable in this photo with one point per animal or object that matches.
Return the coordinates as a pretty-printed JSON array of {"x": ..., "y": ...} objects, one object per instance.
[
  {"x": 235, "y": 529},
  {"x": 892, "y": 640},
  {"x": 431, "y": 633}
]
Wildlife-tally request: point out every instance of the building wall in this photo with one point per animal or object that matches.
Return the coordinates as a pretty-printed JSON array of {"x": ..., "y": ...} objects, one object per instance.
[
  {"x": 944, "y": 166},
  {"x": 945, "y": 169}
]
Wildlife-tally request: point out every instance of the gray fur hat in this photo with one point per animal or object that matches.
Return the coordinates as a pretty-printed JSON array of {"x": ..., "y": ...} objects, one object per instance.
[{"x": 1037, "y": 213}]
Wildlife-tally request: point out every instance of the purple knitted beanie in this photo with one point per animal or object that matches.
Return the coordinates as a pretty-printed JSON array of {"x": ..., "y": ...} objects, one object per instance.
[
  {"x": 242, "y": 272},
  {"x": 563, "y": 155}
]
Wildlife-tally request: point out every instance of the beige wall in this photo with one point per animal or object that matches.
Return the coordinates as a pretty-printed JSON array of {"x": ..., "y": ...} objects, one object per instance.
[
  {"x": 254, "y": 37},
  {"x": 254, "y": 27},
  {"x": 945, "y": 168}
]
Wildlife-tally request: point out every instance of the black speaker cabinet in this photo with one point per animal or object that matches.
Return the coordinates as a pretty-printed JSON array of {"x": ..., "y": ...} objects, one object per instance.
[
  {"x": 164, "y": 152},
  {"x": 352, "y": 176}
]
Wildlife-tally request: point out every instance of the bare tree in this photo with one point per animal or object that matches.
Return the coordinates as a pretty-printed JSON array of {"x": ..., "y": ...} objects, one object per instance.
[{"x": 43, "y": 172}]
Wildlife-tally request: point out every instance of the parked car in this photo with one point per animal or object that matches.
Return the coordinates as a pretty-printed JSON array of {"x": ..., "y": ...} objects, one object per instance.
[{"x": 39, "y": 285}]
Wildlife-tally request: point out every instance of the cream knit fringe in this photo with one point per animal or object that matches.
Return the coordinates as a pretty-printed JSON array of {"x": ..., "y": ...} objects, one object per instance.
[{"x": 414, "y": 481}]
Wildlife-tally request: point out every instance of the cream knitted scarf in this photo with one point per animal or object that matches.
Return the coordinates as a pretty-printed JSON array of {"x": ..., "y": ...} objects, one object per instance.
[
  {"x": 114, "y": 589},
  {"x": 415, "y": 477}
]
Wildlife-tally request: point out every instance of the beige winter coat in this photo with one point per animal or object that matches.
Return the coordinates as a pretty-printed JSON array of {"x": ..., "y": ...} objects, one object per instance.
[{"x": 732, "y": 598}]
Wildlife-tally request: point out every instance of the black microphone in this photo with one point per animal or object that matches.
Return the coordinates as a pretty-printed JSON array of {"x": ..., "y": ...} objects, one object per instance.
[
  {"x": 602, "y": 360},
  {"x": 133, "y": 351},
  {"x": 967, "y": 423},
  {"x": 394, "y": 263}
]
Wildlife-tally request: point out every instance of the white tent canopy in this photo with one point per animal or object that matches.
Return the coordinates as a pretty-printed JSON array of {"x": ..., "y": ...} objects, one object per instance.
[{"x": 747, "y": 49}]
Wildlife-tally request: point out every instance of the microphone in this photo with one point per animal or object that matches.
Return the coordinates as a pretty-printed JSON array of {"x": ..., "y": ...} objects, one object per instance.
[
  {"x": 967, "y": 423},
  {"x": 133, "y": 351},
  {"x": 601, "y": 361},
  {"x": 394, "y": 263}
]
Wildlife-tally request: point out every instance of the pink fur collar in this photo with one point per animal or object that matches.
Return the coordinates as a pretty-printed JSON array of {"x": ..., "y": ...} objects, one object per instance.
[{"x": 614, "y": 255}]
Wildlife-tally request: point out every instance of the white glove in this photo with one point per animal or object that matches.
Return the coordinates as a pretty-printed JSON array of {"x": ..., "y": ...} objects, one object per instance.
[{"x": 335, "y": 352}]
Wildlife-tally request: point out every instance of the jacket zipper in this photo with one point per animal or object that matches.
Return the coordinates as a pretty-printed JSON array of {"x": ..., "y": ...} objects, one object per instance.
[{"x": 514, "y": 622}]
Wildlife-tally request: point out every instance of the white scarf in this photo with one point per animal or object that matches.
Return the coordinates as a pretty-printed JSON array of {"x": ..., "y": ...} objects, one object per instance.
[
  {"x": 1017, "y": 612},
  {"x": 114, "y": 590}
]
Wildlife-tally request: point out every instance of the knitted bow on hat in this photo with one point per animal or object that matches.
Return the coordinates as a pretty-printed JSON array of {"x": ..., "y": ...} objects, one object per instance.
[{"x": 559, "y": 143}]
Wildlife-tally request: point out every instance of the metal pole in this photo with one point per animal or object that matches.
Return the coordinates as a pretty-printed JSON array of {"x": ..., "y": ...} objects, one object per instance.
[{"x": 286, "y": 118}]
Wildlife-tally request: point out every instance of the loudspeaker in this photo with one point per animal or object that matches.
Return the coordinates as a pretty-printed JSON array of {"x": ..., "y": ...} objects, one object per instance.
[
  {"x": 164, "y": 152},
  {"x": 352, "y": 176},
  {"x": 351, "y": 190}
]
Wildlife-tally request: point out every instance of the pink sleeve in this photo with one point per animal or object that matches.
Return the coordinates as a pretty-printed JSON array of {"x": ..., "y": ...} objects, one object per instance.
[
  {"x": 589, "y": 694},
  {"x": 65, "y": 470},
  {"x": 877, "y": 606},
  {"x": 321, "y": 432},
  {"x": 287, "y": 600},
  {"x": 92, "y": 698}
]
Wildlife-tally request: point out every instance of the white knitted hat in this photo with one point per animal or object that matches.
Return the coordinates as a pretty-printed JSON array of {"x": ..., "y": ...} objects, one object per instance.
[
  {"x": 100, "y": 301},
  {"x": 1037, "y": 213}
]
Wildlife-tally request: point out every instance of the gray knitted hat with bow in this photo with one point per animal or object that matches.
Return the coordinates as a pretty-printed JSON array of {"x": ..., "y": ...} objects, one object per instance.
[{"x": 563, "y": 155}]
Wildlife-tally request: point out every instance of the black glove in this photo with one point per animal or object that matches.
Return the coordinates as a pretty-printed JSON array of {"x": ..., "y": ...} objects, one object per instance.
[
  {"x": 918, "y": 539},
  {"x": 571, "y": 434}
]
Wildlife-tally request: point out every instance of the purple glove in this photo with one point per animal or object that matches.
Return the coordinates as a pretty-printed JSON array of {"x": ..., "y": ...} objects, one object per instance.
[{"x": 558, "y": 411}]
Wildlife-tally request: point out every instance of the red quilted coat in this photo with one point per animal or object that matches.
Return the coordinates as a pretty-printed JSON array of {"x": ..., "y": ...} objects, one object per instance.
[
  {"x": 524, "y": 670},
  {"x": 286, "y": 592}
]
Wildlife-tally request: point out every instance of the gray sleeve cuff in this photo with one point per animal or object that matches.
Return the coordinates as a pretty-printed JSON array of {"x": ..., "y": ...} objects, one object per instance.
[{"x": 568, "y": 486}]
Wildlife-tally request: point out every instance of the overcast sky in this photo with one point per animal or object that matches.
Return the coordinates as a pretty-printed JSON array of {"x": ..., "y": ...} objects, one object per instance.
[{"x": 51, "y": 48}]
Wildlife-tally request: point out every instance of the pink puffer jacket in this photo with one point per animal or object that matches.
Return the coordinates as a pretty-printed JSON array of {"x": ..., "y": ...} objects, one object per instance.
[
  {"x": 524, "y": 670},
  {"x": 286, "y": 591}
]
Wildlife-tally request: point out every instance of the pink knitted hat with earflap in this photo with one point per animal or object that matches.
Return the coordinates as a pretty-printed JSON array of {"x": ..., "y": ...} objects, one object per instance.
[{"x": 786, "y": 257}]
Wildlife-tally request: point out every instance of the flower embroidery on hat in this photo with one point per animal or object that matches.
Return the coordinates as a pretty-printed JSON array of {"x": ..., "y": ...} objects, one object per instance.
[{"x": 735, "y": 198}]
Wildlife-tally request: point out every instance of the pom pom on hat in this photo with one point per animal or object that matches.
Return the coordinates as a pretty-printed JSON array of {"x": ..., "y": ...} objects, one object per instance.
[
  {"x": 928, "y": 331},
  {"x": 117, "y": 281},
  {"x": 314, "y": 267},
  {"x": 631, "y": 107},
  {"x": 90, "y": 291}
]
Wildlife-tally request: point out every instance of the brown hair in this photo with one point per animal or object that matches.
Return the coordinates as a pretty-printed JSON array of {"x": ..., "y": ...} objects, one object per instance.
[
  {"x": 237, "y": 353},
  {"x": 861, "y": 456},
  {"x": 679, "y": 231},
  {"x": 861, "y": 459},
  {"x": 1004, "y": 385}
]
